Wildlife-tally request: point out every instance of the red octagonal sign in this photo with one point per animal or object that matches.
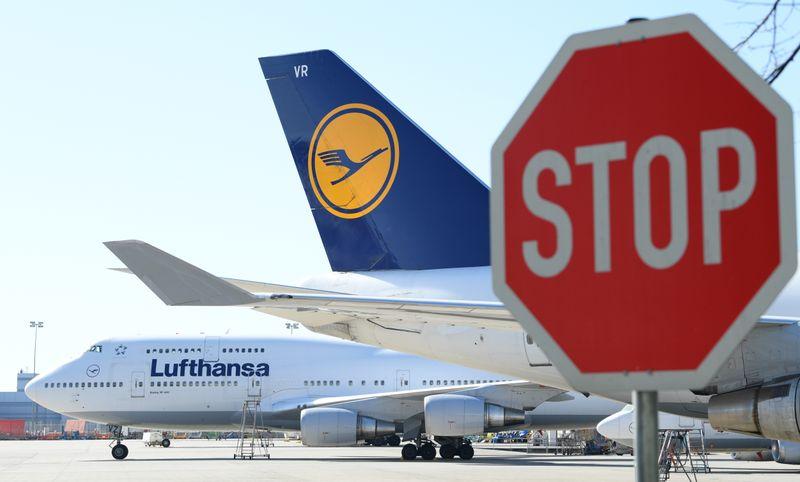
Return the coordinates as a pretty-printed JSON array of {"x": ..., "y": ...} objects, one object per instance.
[{"x": 643, "y": 212}]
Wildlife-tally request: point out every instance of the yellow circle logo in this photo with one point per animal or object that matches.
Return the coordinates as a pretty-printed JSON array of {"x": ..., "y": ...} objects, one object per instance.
[{"x": 352, "y": 160}]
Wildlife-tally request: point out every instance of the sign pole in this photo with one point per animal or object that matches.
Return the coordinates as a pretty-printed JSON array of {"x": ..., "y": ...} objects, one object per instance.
[{"x": 645, "y": 404}]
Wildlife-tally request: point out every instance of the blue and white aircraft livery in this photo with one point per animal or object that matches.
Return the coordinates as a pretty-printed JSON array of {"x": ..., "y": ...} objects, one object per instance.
[
  {"x": 201, "y": 368},
  {"x": 406, "y": 230},
  {"x": 334, "y": 392}
]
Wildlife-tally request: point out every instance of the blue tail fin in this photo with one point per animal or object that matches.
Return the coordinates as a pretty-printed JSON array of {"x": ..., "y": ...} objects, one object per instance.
[{"x": 383, "y": 193}]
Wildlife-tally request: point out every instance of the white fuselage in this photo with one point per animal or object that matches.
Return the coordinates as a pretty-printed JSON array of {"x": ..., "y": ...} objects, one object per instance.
[
  {"x": 196, "y": 382},
  {"x": 621, "y": 428},
  {"x": 507, "y": 352}
]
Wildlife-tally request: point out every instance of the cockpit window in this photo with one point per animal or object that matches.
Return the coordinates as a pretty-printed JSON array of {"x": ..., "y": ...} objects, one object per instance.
[{"x": 96, "y": 348}]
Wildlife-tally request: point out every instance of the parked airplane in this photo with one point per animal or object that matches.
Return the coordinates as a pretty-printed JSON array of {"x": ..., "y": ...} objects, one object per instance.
[
  {"x": 621, "y": 427},
  {"x": 407, "y": 237},
  {"x": 334, "y": 392}
]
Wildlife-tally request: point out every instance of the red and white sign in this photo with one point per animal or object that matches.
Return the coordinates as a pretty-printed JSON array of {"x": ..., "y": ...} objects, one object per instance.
[{"x": 643, "y": 212}]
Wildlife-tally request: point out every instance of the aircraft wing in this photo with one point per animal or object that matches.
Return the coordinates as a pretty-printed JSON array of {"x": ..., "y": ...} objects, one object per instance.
[
  {"x": 178, "y": 283},
  {"x": 390, "y": 313},
  {"x": 407, "y": 406}
]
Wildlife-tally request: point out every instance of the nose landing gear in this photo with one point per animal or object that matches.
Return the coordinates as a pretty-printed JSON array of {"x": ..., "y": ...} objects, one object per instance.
[{"x": 118, "y": 450}]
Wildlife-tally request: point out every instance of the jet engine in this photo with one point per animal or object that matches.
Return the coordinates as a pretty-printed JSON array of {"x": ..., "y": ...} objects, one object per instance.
[
  {"x": 785, "y": 452},
  {"x": 770, "y": 411},
  {"x": 451, "y": 415},
  {"x": 338, "y": 427}
]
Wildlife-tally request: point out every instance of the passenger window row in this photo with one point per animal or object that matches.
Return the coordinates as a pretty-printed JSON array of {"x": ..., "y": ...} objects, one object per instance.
[
  {"x": 242, "y": 350},
  {"x": 174, "y": 350},
  {"x": 82, "y": 384},
  {"x": 457, "y": 382},
  {"x": 336, "y": 383},
  {"x": 197, "y": 383}
]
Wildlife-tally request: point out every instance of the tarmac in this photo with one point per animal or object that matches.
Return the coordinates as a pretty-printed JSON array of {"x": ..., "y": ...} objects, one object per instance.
[{"x": 187, "y": 460}]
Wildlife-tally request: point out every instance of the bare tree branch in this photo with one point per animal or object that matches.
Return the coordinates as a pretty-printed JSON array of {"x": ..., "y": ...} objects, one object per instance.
[
  {"x": 774, "y": 26},
  {"x": 759, "y": 25},
  {"x": 770, "y": 78}
]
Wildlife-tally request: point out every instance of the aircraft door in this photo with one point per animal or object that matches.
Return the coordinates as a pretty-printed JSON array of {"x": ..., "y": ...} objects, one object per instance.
[
  {"x": 137, "y": 384},
  {"x": 402, "y": 380},
  {"x": 535, "y": 355},
  {"x": 211, "y": 348},
  {"x": 254, "y": 386}
]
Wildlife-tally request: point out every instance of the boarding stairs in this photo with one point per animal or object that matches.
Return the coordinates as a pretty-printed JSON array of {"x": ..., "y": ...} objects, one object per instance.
[
  {"x": 256, "y": 445},
  {"x": 678, "y": 455}
]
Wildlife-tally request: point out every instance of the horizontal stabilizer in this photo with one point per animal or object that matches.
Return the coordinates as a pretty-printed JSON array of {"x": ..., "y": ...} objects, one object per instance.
[{"x": 175, "y": 281}]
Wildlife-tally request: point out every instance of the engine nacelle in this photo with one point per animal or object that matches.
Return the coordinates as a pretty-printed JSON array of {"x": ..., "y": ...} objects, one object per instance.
[
  {"x": 338, "y": 427},
  {"x": 770, "y": 411},
  {"x": 451, "y": 415},
  {"x": 785, "y": 452}
]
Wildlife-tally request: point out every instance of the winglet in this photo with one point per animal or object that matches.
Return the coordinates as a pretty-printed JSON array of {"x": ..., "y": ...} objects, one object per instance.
[{"x": 175, "y": 281}]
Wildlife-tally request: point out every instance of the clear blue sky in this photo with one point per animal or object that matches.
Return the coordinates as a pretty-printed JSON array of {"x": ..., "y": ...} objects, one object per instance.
[{"x": 152, "y": 120}]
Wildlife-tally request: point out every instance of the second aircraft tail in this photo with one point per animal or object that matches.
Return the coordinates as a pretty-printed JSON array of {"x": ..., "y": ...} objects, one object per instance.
[{"x": 384, "y": 195}]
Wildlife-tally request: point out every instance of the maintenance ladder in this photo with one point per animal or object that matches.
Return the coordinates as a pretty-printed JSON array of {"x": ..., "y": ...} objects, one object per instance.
[
  {"x": 678, "y": 455},
  {"x": 256, "y": 445}
]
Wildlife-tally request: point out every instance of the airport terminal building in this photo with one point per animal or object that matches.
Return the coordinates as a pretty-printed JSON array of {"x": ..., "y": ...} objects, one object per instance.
[{"x": 17, "y": 410}]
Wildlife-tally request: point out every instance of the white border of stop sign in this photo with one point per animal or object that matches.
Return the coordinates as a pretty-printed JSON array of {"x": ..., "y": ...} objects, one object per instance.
[{"x": 599, "y": 156}]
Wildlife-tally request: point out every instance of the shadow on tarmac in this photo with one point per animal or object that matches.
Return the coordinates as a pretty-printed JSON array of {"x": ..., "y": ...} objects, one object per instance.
[
  {"x": 491, "y": 460},
  {"x": 516, "y": 461}
]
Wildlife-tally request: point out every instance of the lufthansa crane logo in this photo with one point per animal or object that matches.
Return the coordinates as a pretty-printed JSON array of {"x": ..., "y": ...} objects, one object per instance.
[{"x": 352, "y": 160}]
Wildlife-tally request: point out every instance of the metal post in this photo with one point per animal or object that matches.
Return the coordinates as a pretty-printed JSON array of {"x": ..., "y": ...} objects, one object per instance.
[
  {"x": 35, "y": 325},
  {"x": 646, "y": 445},
  {"x": 35, "y": 341}
]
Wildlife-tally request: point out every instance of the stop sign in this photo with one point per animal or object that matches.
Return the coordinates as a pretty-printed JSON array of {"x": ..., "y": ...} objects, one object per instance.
[{"x": 643, "y": 212}]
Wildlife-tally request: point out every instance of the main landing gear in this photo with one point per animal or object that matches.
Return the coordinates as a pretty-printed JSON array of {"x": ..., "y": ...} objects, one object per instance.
[
  {"x": 449, "y": 448},
  {"x": 452, "y": 446},
  {"x": 390, "y": 440},
  {"x": 424, "y": 449},
  {"x": 118, "y": 450}
]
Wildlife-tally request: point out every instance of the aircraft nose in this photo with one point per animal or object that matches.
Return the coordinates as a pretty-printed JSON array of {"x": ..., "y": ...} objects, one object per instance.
[
  {"x": 32, "y": 389},
  {"x": 609, "y": 427}
]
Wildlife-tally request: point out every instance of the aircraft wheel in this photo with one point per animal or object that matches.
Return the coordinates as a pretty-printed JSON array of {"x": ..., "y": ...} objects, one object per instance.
[
  {"x": 393, "y": 441},
  {"x": 427, "y": 452},
  {"x": 379, "y": 442},
  {"x": 447, "y": 451},
  {"x": 466, "y": 452},
  {"x": 165, "y": 443},
  {"x": 119, "y": 451},
  {"x": 409, "y": 452}
]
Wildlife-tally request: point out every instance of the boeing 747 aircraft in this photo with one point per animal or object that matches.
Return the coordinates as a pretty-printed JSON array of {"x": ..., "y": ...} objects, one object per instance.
[
  {"x": 334, "y": 392},
  {"x": 406, "y": 230},
  {"x": 621, "y": 427}
]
